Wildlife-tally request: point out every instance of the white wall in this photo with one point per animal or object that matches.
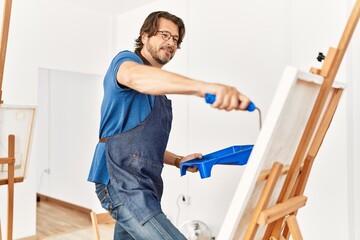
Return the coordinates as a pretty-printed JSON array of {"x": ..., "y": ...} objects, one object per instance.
[
  {"x": 19, "y": 67},
  {"x": 353, "y": 131},
  {"x": 317, "y": 30},
  {"x": 242, "y": 43},
  {"x": 51, "y": 35},
  {"x": 227, "y": 45}
]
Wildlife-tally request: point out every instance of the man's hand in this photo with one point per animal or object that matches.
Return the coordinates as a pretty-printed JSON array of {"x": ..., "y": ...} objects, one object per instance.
[
  {"x": 190, "y": 157},
  {"x": 227, "y": 97}
]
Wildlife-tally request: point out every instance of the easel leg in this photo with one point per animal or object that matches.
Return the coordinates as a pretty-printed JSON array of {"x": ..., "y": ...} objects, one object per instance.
[
  {"x": 11, "y": 173},
  {"x": 4, "y": 40},
  {"x": 273, "y": 238},
  {"x": 315, "y": 145},
  {"x": 274, "y": 176},
  {"x": 294, "y": 227}
]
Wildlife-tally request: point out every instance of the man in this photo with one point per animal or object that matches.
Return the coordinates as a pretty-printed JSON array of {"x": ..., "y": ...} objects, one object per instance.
[{"x": 135, "y": 125}]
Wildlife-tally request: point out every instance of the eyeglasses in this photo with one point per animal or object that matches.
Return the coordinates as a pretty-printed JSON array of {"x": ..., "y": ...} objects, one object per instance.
[{"x": 166, "y": 35}]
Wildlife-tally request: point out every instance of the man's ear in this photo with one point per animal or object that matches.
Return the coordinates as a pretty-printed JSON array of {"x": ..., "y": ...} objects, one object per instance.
[{"x": 144, "y": 38}]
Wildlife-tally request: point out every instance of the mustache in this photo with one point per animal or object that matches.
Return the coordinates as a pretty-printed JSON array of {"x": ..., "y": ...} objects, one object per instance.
[{"x": 168, "y": 48}]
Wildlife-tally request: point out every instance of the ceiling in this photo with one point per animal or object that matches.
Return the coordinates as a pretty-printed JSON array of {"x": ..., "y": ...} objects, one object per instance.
[{"x": 109, "y": 6}]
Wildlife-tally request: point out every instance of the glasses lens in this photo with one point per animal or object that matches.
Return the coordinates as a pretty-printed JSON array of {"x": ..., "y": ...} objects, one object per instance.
[{"x": 166, "y": 35}]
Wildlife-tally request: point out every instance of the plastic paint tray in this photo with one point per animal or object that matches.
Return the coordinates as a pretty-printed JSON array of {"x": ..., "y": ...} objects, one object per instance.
[{"x": 235, "y": 155}]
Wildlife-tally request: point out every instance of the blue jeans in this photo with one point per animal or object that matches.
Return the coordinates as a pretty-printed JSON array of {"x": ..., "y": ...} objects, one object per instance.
[{"x": 127, "y": 227}]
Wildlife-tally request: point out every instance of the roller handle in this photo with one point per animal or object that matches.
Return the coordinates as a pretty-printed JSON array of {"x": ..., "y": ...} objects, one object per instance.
[{"x": 210, "y": 98}]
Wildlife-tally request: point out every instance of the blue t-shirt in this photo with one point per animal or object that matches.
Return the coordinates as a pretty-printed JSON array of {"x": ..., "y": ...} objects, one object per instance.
[{"x": 122, "y": 109}]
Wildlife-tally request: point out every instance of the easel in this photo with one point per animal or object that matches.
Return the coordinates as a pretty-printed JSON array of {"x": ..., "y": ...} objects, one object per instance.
[
  {"x": 281, "y": 218},
  {"x": 4, "y": 39},
  {"x": 10, "y": 160}
]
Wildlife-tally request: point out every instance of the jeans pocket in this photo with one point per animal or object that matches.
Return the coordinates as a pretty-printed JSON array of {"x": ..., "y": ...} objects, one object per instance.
[{"x": 106, "y": 202}]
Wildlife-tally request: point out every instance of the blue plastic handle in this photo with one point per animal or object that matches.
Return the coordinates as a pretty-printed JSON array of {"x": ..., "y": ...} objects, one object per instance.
[{"x": 210, "y": 98}]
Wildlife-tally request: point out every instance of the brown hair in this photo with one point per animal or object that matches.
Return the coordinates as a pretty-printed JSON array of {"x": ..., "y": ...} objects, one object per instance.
[{"x": 151, "y": 24}]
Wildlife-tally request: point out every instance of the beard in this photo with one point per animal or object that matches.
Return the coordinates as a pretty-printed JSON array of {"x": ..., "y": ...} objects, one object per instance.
[{"x": 161, "y": 58}]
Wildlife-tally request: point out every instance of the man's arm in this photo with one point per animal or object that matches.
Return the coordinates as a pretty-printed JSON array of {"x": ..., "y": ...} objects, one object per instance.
[{"x": 155, "y": 81}]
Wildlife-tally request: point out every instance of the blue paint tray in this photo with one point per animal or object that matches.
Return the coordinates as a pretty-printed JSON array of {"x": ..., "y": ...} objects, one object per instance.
[{"x": 235, "y": 155}]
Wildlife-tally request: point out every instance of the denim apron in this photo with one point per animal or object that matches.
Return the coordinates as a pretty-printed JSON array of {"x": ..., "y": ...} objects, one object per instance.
[{"x": 135, "y": 161}]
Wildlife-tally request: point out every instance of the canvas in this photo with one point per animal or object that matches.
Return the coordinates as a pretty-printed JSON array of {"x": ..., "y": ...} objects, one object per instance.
[
  {"x": 19, "y": 121},
  {"x": 277, "y": 142}
]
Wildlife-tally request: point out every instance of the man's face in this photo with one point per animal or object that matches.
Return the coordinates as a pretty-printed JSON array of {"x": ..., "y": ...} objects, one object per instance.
[{"x": 163, "y": 45}]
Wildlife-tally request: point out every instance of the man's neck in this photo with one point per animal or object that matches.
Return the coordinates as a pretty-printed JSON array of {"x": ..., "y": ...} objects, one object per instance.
[{"x": 145, "y": 61}]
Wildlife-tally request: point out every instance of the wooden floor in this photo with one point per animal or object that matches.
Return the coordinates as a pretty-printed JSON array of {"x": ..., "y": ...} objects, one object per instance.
[{"x": 55, "y": 221}]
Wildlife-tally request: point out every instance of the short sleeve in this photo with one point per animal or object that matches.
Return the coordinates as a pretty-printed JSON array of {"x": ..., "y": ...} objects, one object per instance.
[{"x": 123, "y": 56}]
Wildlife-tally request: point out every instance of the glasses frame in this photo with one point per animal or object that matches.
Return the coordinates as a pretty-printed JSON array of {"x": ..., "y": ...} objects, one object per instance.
[{"x": 166, "y": 35}]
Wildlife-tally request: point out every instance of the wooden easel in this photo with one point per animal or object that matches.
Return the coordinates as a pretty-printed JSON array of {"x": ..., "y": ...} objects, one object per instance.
[
  {"x": 281, "y": 218},
  {"x": 10, "y": 160},
  {"x": 284, "y": 213},
  {"x": 4, "y": 40}
]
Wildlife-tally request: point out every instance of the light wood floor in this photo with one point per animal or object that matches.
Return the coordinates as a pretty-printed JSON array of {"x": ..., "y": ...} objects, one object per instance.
[
  {"x": 58, "y": 222},
  {"x": 53, "y": 218}
]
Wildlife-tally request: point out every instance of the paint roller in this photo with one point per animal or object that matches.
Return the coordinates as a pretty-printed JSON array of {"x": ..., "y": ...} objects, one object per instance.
[{"x": 210, "y": 99}]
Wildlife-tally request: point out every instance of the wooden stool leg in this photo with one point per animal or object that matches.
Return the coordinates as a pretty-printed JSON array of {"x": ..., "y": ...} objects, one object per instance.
[
  {"x": 0, "y": 232},
  {"x": 95, "y": 224},
  {"x": 294, "y": 227}
]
